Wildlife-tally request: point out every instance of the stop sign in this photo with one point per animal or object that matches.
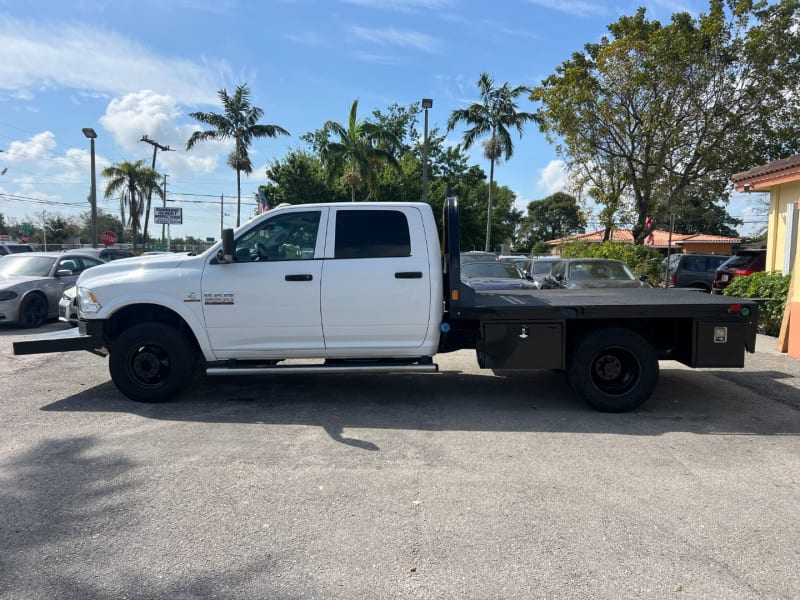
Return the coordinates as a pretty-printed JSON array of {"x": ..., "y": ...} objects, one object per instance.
[
  {"x": 109, "y": 238},
  {"x": 23, "y": 239}
]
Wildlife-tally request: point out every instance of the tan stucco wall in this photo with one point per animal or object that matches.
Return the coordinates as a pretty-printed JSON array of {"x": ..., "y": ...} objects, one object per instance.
[
  {"x": 689, "y": 248},
  {"x": 780, "y": 197}
]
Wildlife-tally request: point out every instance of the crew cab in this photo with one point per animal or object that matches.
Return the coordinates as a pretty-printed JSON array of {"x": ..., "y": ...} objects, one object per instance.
[{"x": 372, "y": 287}]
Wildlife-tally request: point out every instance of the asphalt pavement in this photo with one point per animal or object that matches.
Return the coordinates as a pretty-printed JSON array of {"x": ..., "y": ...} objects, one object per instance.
[{"x": 461, "y": 484}]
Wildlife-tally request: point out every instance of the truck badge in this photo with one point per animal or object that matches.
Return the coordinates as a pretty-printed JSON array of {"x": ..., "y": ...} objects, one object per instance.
[{"x": 720, "y": 335}]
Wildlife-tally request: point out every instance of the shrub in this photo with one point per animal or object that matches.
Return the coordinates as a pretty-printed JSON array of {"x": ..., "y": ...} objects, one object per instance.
[
  {"x": 642, "y": 260},
  {"x": 766, "y": 284}
]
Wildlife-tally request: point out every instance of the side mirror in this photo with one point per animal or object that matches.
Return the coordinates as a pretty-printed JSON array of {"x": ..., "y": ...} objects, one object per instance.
[
  {"x": 227, "y": 246},
  {"x": 644, "y": 277},
  {"x": 64, "y": 273}
]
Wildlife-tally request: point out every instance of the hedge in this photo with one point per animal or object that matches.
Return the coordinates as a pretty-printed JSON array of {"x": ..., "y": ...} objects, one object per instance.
[{"x": 766, "y": 284}]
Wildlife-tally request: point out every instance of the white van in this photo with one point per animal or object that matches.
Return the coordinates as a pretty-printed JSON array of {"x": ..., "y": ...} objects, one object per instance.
[{"x": 13, "y": 248}]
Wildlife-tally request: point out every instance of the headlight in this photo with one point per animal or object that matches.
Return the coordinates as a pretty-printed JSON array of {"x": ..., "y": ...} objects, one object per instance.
[
  {"x": 8, "y": 295},
  {"x": 87, "y": 302}
]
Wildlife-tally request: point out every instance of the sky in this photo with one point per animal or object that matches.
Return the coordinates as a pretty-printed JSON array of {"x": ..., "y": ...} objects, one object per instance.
[{"x": 132, "y": 69}]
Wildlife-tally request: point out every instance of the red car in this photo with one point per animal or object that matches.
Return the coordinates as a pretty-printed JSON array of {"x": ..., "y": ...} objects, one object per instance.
[{"x": 744, "y": 262}]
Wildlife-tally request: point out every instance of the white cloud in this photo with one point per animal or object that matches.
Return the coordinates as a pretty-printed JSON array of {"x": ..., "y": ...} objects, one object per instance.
[
  {"x": 36, "y": 148},
  {"x": 403, "y": 5},
  {"x": 553, "y": 177},
  {"x": 82, "y": 57},
  {"x": 570, "y": 7},
  {"x": 393, "y": 37}
]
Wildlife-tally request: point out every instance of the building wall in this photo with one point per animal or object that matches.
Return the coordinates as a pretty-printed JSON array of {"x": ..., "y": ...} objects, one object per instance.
[
  {"x": 721, "y": 248},
  {"x": 780, "y": 197}
]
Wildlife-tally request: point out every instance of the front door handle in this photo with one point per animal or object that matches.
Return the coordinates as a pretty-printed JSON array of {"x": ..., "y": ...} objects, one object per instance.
[
  {"x": 301, "y": 277},
  {"x": 408, "y": 275}
]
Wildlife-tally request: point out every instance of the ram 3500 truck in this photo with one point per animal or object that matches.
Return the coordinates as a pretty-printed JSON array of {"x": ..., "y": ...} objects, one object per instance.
[{"x": 371, "y": 287}]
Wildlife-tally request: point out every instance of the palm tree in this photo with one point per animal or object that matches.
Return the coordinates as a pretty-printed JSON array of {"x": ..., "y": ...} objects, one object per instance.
[
  {"x": 360, "y": 153},
  {"x": 494, "y": 115},
  {"x": 240, "y": 122},
  {"x": 134, "y": 182}
]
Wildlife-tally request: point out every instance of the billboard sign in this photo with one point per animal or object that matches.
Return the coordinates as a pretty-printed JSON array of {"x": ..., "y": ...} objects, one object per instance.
[{"x": 168, "y": 215}]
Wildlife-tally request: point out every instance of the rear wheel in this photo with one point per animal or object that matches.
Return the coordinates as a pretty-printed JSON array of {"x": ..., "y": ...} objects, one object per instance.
[
  {"x": 33, "y": 311},
  {"x": 613, "y": 369},
  {"x": 151, "y": 362}
]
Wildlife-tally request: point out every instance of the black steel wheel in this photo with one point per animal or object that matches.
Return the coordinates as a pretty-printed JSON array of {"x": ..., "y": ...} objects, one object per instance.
[
  {"x": 613, "y": 369},
  {"x": 33, "y": 311},
  {"x": 151, "y": 362}
]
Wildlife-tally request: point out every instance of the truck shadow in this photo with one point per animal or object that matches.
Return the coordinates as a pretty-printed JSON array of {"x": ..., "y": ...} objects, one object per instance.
[{"x": 685, "y": 401}]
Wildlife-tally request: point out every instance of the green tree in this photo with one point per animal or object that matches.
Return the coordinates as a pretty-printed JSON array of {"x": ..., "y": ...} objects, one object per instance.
[
  {"x": 134, "y": 182},
  {"x": 494, "y": 115},
  {"x": 553, "y": 217},
  {"x": 298, "y": 178},
  {"x": 360, "y": 154},
  {"x": 239, "y": 121},
  {"x": 655, "y": 111}
]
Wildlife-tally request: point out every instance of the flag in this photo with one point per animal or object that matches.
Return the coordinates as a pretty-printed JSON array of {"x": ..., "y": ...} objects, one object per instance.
[
  {"x": 263, "y": 205},
  {"x": 648, "y": 226}
]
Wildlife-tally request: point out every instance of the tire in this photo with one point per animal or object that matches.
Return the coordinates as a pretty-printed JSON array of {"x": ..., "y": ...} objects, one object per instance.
[
  {"x": 613, "y": 369},
  {"x": 33, "y": 311},
  {"x": 151, "y": 362}
]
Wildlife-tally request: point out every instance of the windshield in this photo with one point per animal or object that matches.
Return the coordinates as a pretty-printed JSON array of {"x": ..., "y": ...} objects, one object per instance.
[
  {"x": 600, "y": 270},
  {"x": 31, "y": 266},
  {"x": 543, "y": 266},
  {"x": 495, "y": 270}
]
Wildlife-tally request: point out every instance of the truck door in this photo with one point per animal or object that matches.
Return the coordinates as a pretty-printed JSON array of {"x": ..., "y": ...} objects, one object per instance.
[
  {"x": 376, "y": 281},
  {"x": 267, "y": 300}
]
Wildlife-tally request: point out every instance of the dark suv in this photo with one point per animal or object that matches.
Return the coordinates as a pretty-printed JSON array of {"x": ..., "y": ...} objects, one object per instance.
[
  {"x": 744, "y": 262},
  {"x": 693, "y": 270}
]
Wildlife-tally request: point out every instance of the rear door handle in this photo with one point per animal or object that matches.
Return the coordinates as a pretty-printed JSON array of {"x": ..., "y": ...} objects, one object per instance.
[
  {"x": 408, "y": 275},
  {"x": 301, "y": 277}
]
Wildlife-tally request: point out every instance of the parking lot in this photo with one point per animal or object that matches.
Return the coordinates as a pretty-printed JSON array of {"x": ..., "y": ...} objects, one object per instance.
[{"x": 460, "y": 484}]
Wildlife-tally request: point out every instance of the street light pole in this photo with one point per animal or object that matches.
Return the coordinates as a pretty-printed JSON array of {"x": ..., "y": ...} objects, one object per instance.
[
  {"x": 426, "y": 104},
  {"x": 91, "y": 134}
]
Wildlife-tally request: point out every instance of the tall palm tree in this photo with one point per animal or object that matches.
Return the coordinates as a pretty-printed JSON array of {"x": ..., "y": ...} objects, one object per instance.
[
  {"x": 361, "y": 152},
  {"x": 134, "y": 182},
  {"x": 494, "y": 115},
  {"x": 239, "y": 121}
]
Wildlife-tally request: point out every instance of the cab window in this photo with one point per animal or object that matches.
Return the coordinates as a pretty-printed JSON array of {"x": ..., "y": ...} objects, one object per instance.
[{"x": 288, "y": 236}]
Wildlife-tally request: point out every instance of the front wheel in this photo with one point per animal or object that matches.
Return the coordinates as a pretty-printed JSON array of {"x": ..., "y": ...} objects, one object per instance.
[
  {"x": 151, "y": 362},
  {"x": 613, "y": 369},
  {"x": 33, "y": 311}
]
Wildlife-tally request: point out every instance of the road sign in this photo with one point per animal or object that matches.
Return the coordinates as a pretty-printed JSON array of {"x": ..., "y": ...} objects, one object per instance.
[
  {"x": 168, "y": 215},
  {"x": 23, "y": 239},
  {"x": 109, "y": 238},
  {"x": 25, "y": 228}
]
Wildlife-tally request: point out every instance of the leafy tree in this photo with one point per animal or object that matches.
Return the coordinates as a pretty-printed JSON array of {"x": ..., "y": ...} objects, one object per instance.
[
  {"x": 239, "y": 122},
  {"x": 654, "y": 112},
  {"x": 360, "y": 154},
  {"x": 553, "y": 217},
  {"x": 493, "y": 115},
  {"x": 134, "y": 182},
  {"x": 298, "y": 178}
]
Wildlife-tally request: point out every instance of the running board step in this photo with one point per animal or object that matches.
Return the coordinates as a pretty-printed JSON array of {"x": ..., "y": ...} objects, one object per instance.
[{"x": 337, "y": 368}]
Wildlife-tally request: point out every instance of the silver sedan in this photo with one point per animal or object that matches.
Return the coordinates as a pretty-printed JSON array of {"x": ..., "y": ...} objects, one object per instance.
[{"x": 31, "y": 284}]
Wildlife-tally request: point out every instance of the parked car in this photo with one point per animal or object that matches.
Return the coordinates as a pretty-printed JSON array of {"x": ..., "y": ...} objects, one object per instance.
[
  {"x": 576, "y": 273},
  {"x": 495, "y": 275},
  {"x": 477, "y": 256},
  {"x": 537, "y": 269},
  {"x": 31, "y": 284},
  {"x": 7, "y": 248},
  {"x": 743, "y": 262},
  {"x": 105, "y": 254},
  {"x": 693, "y": 270},
  {"x": 68, "y": 306}
]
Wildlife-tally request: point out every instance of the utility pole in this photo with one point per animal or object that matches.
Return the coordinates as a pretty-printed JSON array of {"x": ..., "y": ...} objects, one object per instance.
[
  {"x": 163, "y": 227},
  {"x": 156, "y": 147}
]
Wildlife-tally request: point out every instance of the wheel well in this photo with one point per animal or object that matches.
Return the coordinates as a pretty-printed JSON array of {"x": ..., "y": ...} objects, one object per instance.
[{"x": 141, "y": 313}]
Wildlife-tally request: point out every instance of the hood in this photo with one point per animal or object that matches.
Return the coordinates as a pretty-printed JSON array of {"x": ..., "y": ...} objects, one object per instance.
[
  {"x": 9, "y": 280},
  {"x": 610, "y": 283},
  {"x": 136, "y": 267},
  {"x": 499, "y": 284}
]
